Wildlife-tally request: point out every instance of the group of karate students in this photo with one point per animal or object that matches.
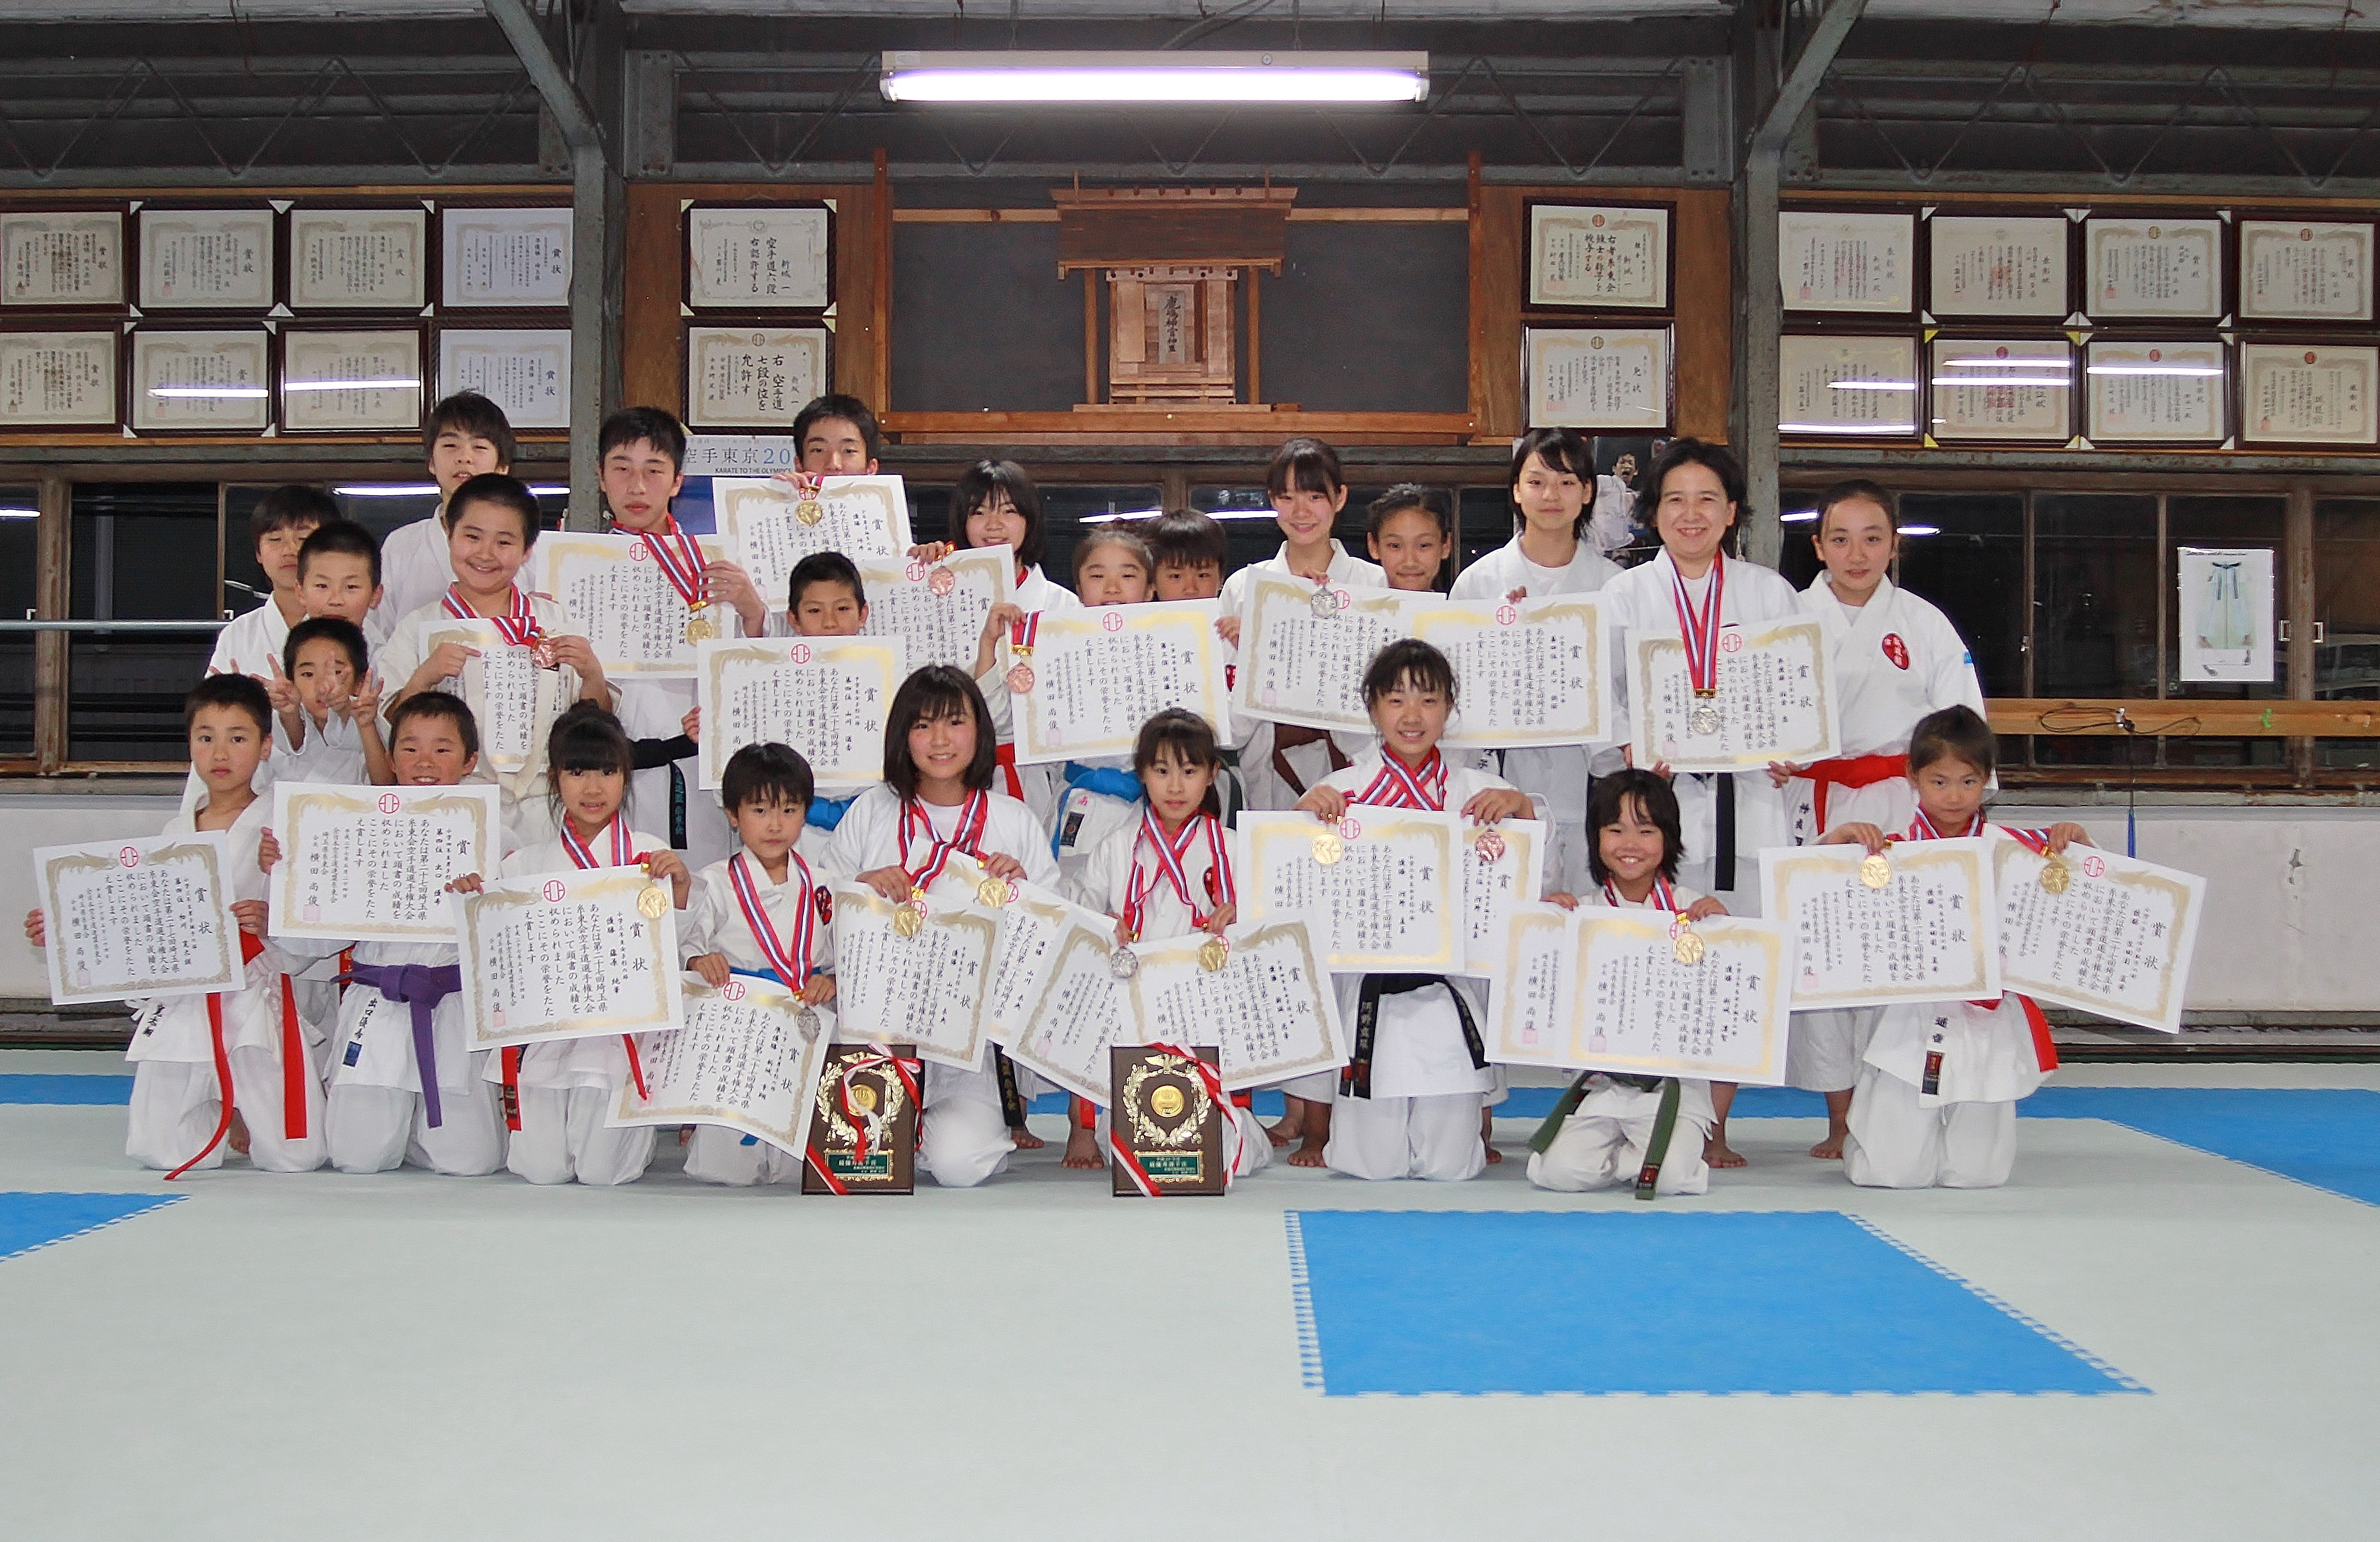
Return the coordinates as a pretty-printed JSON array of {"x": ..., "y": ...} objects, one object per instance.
[{"x": 357, "y": 1057}]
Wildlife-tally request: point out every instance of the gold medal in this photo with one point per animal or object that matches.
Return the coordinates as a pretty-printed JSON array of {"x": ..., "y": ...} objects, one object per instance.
[
  {"x": 993, "y": 892},
  {"x": 1686, "y": 943},
  {"x": 700, "y": 628},
  {"x": 653, "y": 902},
  {"x": 1213, "y": 953},
  {"x": 906, "y": 922},
  {"x": 863, "y": 1097},
  {"x": 809, "y": 511},
  {"x": 1328, "y": 848},
  {"x": 1166, "y": 1100},
  {"x": 1875, "y": 870},
  {"x": 2055, "y": 876}
]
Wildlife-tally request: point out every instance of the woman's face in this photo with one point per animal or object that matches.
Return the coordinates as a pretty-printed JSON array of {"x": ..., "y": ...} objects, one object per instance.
[{"x": 996, "y": 522}]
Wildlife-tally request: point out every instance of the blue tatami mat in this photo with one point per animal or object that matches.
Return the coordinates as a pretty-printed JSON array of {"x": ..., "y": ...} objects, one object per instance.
[
  {"x": 30, "y": 1087},
  {"x": 1534, "y": 1302},
  {"x": 2329, "y": 1137},
  {"x": 32, "y": 1220}
]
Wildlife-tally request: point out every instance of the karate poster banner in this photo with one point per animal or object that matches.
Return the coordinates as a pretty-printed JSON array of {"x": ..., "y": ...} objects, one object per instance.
[
  {"x": 1095, "y": 676},
  {"x": 1603, "y": 989},
  {"x": 1381, "y": 888},
  {"x": 568, "y": 955},
  {"x": 742, "y": 1060},
  {"x": 826, "y": 697},
  {"x": 1527, "y": 674},
  {"x": 150, "y": 917},
  {"x": 372, "y": 864},
  {"x": 1929, "y": 933},
  {"x": 2117, "y": 940},
  {"x": 937, "y": 609},
  {"x": 771, "y": 526},
  {"x": 2227, "y": 613},
  {"x": 1303, "y": 649},
  {"x": 634, "y": 617},
  {"x": 1776, "y": 699},
  {"x": 925, "y": 988},
  {"x": 1269, "y": 1011}
]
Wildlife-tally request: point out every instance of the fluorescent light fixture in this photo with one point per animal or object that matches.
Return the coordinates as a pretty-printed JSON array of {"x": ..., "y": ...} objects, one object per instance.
[
  {"x": 1848, "y": 427},
  {"x": 1920, "y": 529},
  {"x": 1872, "y": 386},
  {"x": 1984, "y": 383},
  {"x": 421, "y": 489},
  {"x": 20, "y": 513},
  {"x": 2156, "y": 369},
  {"x": 2019, "y": 361},
  {"x": 1799, "y": 516},
  {"x": 350, "y": 385},
  {"x": 1010, "y": 77},
  {"x": 1126, "y": 514},
  {"x": 208, "y": 393}
]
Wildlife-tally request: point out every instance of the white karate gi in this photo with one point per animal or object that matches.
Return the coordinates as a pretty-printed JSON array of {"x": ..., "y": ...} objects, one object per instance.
[
  {"x": 656, "y": 709},
  {"x": 250, "y": 643},
  {"x": 965, "y": 1135},
  {"x": 177, "y": 1098},
  {"x": 1556, "y": 776},
  {"x": 713, "y": 923},
  {"x": 415, "y": 568},
  {"x": 528, "y": 803},
  {"x": 569, "y": 1086},
  {"x": 1254, "y": 743},
  {"x": 1038, "y": 785},
  {"x": 1422, "y": 1118},
  {"x": 1107, "y": 881},
  {"x": 1605, "y": 1139},
  {"x": 1641, "y": 598},
  {"x": 1965, "y": 1136}
]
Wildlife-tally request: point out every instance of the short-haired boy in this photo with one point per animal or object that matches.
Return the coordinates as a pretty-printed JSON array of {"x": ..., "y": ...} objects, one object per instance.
[{"x": 465, "y": 435}]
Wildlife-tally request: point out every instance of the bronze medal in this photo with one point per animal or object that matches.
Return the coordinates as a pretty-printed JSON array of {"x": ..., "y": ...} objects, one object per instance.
[
  {"x": 943, "y": 581},
  {"x": 1020, "y": 680},
  {"x": 1876, "y": 869},
  {"x": 1489, "y": 844}
]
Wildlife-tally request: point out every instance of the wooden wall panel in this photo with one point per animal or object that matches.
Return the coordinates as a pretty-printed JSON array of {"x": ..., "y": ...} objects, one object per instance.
[
  {"x": 1702, "y": 292},
  {"x": 652, "y": 362}
]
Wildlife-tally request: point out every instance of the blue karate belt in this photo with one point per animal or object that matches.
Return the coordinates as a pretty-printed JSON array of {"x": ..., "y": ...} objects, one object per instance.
[
  {"x": 771, "y": 975},
  {"x": 826, "y": 813},
  {"x": 1097, "y": 778}
]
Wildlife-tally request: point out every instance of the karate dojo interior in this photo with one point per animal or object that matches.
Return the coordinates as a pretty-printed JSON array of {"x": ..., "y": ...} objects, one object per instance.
[{"x": 2159, "y": 1328}]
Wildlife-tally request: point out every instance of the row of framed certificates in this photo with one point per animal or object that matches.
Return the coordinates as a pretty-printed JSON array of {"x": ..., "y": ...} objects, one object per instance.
[
  {"x": 2117, "y": 389},
  {"x": 2052, "y": 265}
]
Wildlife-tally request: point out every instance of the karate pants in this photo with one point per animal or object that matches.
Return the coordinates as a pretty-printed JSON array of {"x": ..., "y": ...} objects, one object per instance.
[
  {"x": 719, "y": 1155},
  {"x": 1315, "y": 1087},
  {"x": 1434, "y": 1137},
  {"x": 1824, "y": 1051},
  {"x": 1896, "y": 1143},
  {"x": 1595, "y": 1151},
  {"x": 562, "y": 1136},
  {"x": 379, "y": 1129},
  {"x": 175, "y": 1106},
  {"x": 965, "y": 1135}
]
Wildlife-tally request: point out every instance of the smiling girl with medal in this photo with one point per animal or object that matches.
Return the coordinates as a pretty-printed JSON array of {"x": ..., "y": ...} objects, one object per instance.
[
  {"x": 936, "y": 800},
  {"x": 1408, "y": 1104},
  {"x": 1609, "y": 1129},
  {"x": 1693, "y": 498},
  {"x": 555, "y": 1095},
  {"x": 491, "y": 523},
  {"x": 1170, "y": 875},
  {"x": 765, "y": 911},
  {"x": 1936, "y": 1103}
]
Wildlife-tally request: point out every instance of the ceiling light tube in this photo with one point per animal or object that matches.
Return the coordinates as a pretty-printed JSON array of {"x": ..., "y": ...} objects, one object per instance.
[{"x": 1023, "y": 76}]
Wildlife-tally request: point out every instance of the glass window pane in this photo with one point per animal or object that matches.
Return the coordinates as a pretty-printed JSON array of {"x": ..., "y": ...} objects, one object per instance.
[
  {"x": 2095, "y": 589},
  {"x": 20, "y": 530},
  {"x": 1247, "y": 517},
  {"x": 1972, "y": 566},
  {"x": 2246, "y": 522},
  {"x": 142, "y": 551},
  {"x": 1487, "y": 522},
  {"x": 1069, "y": 511},
  {"x": 2346, "y": 602},
  {"x": 1798, "y": 554}
]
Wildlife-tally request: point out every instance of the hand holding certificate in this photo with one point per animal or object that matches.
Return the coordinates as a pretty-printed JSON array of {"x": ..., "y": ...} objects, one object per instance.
[
  {"x": 1304, "y": 649},
  {"x": 1927, "y": 932},
  {"x": 1381, "y": 888},
  {"x": 2097, "y": 930},
  {"x": 150, "y": 917},
  {"x": 372, "y": 864},
  {"x": 1756, "y": 694},
  {"x": 635, "y": 594},
  {"x": 772, "y": 525},
  {"x": 508, "y": 691},
  {"x": 826, "y": 697},
  {"x": 938, "y": 607},
  {"x": 919, "y": 981},
  {"x": 1096, "y": 676},
  {"x": 1531, "y": 673},
  {"x": 743, "y": 1060},
  {"x": 568, "y": 955},
  {"x": 1607, "y": 989}
]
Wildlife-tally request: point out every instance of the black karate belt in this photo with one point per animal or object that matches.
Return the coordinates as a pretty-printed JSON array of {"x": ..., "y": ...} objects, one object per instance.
[
  {"x": 677, "y": 806},
  {"x": 1011, "y": 1106},
  {"x": 1723, "y": 861},
  {"x": 1355, "y": 1080},
  {"x": 1657, "y": 1151}
]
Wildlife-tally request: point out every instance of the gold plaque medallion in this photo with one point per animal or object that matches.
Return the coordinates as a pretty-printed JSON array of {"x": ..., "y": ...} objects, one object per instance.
[{"x": 1166, "y": 1101}]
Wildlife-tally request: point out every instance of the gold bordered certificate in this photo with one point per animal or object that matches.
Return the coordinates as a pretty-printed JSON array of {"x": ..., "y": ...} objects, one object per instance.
[
  {"x": 926, "y": 987},
  {"x": 372, "y": 864},
  {"x": 1930, "y": 933},
  {"x": 1303, "y": 649},
  {"x": 1526, "y": 672},
  {"x": 1098, "y": 674},
  {"x": 1776, "y": 699},
  {"x": 568, "y": 955},
  {"x": 633, "y": 618},
  {"x": 771, "y": 525},
  {"x": 742, "y": 1060},
  {"x": 826, "y": 697},
  {"x": 1381, "y": 888},
  {"x": 1268, "y": 1009},
  {"x": 147, "y": 917},
  {"x": 2117, "y": 939}
]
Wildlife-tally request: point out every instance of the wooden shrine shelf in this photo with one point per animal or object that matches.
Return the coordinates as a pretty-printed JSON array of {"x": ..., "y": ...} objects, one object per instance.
[{"x": 1237, "y": 424}]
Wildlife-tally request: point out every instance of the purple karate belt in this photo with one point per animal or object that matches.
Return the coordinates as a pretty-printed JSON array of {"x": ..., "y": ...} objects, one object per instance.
[{"x": 420, "y": 987}]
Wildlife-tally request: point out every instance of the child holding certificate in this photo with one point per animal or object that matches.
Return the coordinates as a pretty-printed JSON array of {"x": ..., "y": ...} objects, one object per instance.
[
  {"x": 1101, "y": 796},
  {"x": 1409, "y": 1099},
  {"x": 1612, "y": 1129},
  {"x": 1894, "y": 658},
  {"x": 764, "y": 910},
  {"x": 556, "y": 1094},
  {"x": 1169, "y": 874},
  {"x": 937, "y": 798},
  {"x": 326, "y": 703},
  {"x": 200, "y": 1062},
  {"x": 1936, "y": 1104},
  {"x": 403, "y": 1086},
  {"x": 493, "y": 522},
  {"x": 1696, "y": 591}
]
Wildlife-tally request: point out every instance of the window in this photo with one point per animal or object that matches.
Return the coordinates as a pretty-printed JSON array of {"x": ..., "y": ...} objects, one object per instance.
[
  {"x": 2347, "y": 609},
  {"x": 142, "y": 551},
  {"x": 20, "y": 564}
]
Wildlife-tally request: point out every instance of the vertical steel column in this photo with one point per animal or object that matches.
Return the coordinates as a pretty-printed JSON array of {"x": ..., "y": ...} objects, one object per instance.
[{"x": 1763, "y": 304}]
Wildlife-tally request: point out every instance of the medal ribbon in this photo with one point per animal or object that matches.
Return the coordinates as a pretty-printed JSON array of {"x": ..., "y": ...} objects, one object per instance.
[
  {"x": 1663, "y": 897},
  {"x": 792, "y": 966},
  {"x": 966, "y": 837},
  {"x": 1396, "y": 788},
  {"x": 680, "y": 560},
  {"x": 1701, "y": 631},
  {"x": 1170, "y": 851},
  {"x": 1022, "y": 633},
  {"x": 1924, "y": 828},
  {"x": 518, "y": 625},
  {"x": 582, "y": 855}
]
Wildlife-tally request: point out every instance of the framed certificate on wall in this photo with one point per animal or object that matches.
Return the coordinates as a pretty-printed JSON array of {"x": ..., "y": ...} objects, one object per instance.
[
  {"x": 206, "y": 259},
  {"x": 1830, "y": 384},
  {"x": 2308, "y": 394},
  {"x": 778, "y": 257},
  {"x": 2151, "y": 268},
  {"x": 200, "y": 381},
  {"x": 358, "y": 258},
  {"x": 753, "y": 377},
  {"x": 2305, "y": 270},
  {"x": 62, "y": 258},
  {"x": 2156, "y": 391},
  {"x": 2011, "y": 390},
  {"x": 526, "y": 372},
  {"x": 1832, "y": 262},
  {"x": 1599, "y": 256},
  {"x": 1997, "y": 265},
  {"x": 338, "y": 381},
  {"x": 1612, "y": 378},
  {"x": 517, "y": 258},
  {"x": 59, "y": 379}
]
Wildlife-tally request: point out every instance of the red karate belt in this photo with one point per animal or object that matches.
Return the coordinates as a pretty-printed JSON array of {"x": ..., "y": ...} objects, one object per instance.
[
  {"x": 1850, "y": 771},
  {"x": 1004, "y": 756},
  {"x": 294, "y": 1066}
]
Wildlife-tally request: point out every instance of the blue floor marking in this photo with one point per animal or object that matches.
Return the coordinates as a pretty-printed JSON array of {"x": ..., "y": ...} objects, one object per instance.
[
  {"x": 32, "y": 1220},
  {"x": 1412, "y": 1302},
  {"x": 46, "y": 1087},
  {"x": 2326, "y": 1137}
]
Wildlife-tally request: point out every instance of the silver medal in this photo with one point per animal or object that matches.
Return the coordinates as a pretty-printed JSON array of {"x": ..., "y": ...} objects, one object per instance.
[
  {"x": 1704, "y": 720},
  {"x": 1325, "y": 601},
  {"x": 807, "y": 1019}
]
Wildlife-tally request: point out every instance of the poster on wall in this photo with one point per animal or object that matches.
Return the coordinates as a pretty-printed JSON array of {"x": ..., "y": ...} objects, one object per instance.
[{"x": 2227, "y": 613}]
